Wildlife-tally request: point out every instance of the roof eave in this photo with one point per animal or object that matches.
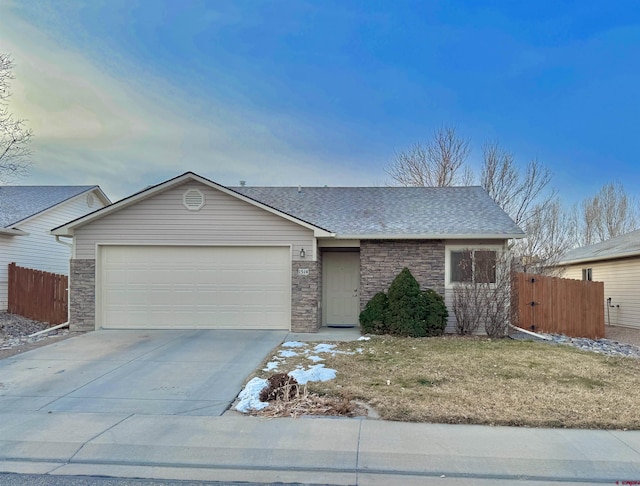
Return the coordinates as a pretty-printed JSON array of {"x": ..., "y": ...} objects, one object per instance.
[
  {"x": 67, "y": 229},
  {"x": 431, "y": 236},
  {"x": 617, "y": 256},
  {"x": 95, "y": 189},
  {"x": 12, "y": 232}
]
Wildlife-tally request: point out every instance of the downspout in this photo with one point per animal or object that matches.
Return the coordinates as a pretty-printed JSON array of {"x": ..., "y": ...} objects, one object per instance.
[
  {"x": 64, "y": 324},
  {"x": 531, "y": 333}
]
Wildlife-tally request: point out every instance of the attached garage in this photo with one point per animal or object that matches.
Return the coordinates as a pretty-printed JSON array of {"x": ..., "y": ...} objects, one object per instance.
[{"x": 194, "y": 287}]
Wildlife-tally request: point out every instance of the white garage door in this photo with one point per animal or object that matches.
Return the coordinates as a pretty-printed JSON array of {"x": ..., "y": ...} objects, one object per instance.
[{"x": 177, "y": 287}]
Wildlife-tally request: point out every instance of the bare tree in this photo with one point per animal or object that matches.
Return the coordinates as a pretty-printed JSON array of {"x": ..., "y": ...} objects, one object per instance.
[
  {"x": 514, "y": 191},
  {"x": 439, "y": 163},
  {"x": 14, "y": 135},
  {"x": 610, "y": 213},
  {"x": 551, "y": 230}
]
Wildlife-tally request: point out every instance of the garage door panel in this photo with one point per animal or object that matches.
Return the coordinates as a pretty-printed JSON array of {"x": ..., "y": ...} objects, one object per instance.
[{"x": 195, "y": 287}]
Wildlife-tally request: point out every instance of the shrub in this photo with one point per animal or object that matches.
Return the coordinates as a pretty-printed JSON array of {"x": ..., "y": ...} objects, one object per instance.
[
  {"x": 372, "y": 318},
  {"x": 279, "y": 387},
  {"x": 436, "y": 313},
  {"x": 407, "y": 309}
]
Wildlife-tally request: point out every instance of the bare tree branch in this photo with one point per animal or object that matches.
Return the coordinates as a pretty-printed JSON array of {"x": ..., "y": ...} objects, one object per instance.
[
  {"x": 610, "y": 213},
  {"x": 14, "y": 135},
  {"x": 515, "y": 192},
  {"x": 439, "y": 163}
]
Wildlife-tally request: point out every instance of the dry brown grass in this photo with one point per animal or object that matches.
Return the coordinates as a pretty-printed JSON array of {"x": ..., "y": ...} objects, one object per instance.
[{"x": 482, "y": 381}]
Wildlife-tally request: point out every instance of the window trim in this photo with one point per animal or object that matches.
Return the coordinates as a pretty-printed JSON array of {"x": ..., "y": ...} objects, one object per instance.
[{"x": 499, "y": 249}]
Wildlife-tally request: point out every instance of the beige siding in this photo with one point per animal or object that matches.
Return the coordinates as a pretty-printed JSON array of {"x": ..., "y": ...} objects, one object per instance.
[
  {"x": 621, "y": 282},
  {"x": 39, "y": 249},
  {"x": 448, "y": 292},
  {"x": 163, "y": 219}
]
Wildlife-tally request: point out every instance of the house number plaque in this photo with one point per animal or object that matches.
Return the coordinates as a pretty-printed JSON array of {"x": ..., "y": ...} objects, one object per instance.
[{"x": 303, "y": 271}]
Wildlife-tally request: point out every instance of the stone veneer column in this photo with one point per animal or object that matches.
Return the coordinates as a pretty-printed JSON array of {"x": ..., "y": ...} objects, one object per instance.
[
  {"x": 82, "y": 298},
  {"x": 305, "y": 297},
  {"x": 382, "y": 260}
]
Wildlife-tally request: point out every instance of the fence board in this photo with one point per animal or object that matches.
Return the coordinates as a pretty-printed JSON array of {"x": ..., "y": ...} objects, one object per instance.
[
  {"x": 563, "y": 306},
  {"x": 38, "y": 295}
]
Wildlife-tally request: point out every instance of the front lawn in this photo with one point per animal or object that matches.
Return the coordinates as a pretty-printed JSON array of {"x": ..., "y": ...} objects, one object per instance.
[{"x": 482, "y": 381}]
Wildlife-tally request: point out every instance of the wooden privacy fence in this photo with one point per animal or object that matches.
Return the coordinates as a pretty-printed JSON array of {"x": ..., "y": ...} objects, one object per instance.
[
  {"x": 38, "y": 295},
  {"x": 558, "y": 305}
]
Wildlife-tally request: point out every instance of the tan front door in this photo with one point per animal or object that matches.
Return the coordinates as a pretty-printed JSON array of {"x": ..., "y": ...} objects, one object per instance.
[{"x": 341, "y": 288}]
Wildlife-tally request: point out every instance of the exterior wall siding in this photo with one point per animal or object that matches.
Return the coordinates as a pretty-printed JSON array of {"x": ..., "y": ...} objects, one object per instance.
[
  {"x": 223, "y": 220},
  {"x": 163, "y": 219},
  {"x": 305, "y": 297},
  {"x": 448, "y": 293},
  {"x": 621, "y": 282},
  {"x": 39, "y": 249},
  {"x": 82, "y": 302},
  {"x": 382, "y": 260}
]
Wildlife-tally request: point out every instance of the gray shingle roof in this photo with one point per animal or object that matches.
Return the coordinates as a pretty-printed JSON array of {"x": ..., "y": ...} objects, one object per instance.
[
  {"x": 391, "y": 211},
  {"x": 21, "y": 202},
  {"x": 621, "y": 246}
]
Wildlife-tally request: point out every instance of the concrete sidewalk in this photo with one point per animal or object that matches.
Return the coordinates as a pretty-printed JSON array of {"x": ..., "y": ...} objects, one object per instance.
[{"x": 320, "y": 450}]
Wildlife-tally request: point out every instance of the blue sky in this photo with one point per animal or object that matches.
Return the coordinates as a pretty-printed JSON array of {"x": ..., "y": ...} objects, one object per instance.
[{"x": 128, "y": 93}]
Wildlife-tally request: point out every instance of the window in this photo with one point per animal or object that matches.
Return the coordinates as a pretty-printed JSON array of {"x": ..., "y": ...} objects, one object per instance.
[
  {"x": 587, "y": 274},
  {"x": 477, "y": 266}
]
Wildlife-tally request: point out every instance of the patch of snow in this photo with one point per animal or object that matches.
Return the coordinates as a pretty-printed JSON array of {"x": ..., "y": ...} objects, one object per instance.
[
  {"x": 250, "y": 396},
  {"x": 271, "y": 365},
  {"x": 364, "y": 338},
  {"x": 294, "y": 344},
  {"x": 286, "y": 353},
  {"x": 315, "y": 373},
  {"x": 325, "y": 348},
  {"x": 315, "y": 359},
  {"x": 359, "y": 350}
]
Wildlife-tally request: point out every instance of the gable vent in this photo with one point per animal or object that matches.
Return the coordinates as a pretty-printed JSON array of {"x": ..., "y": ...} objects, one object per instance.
[{"x": 193, "y": 199}]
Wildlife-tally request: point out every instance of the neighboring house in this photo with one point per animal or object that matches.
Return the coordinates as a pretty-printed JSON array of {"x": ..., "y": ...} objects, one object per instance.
[
  {"x": 27, "y": 214},
  {"x": 191, "y": 253},
  {"x": 616, "y": 262}
]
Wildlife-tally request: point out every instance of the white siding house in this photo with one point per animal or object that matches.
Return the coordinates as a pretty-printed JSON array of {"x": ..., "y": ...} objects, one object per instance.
[
  {"x": 616, "y": 262},
  {"x": 27, "y": 215}
]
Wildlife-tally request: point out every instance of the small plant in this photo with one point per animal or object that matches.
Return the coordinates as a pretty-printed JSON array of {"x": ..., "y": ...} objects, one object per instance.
[
  {"x": 372, "y": 318},
  {"x": 280, "y": 387}
]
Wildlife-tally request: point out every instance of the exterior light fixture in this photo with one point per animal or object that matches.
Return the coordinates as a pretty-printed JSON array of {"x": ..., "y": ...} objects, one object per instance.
[{"x": 302, "y": 253}]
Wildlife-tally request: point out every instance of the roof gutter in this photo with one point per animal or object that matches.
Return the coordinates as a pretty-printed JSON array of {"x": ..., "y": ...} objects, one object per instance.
[{"x": 12, "y": 232}]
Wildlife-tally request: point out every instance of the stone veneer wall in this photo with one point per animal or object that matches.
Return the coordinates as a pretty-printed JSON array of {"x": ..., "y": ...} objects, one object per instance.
[
  {"x": 382, "y": 260},
  {"x": 82, "y": 301},
  {"x": 305, "y": 297}
]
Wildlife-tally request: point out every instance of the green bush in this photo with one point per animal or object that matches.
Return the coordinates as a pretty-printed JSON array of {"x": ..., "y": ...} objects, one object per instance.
[
  {"x": 372, "y": 318},
  {"x": 407, "y": 310},
  {"x": 436, "y": 315}
]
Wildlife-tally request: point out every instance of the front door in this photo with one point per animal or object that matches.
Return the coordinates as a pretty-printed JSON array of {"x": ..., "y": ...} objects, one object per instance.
[{"x": 341, "y": 285}]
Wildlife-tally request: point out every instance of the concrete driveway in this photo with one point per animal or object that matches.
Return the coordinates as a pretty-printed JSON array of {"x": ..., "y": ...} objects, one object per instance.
[{"x": 141, "y": 372}]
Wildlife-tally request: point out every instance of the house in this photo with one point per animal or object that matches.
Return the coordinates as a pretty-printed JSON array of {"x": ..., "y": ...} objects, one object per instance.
[
  {"x": 27, "y": 214},
  {"x": 191, "y": 253},
  {"x": 616, "y": 262}
]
